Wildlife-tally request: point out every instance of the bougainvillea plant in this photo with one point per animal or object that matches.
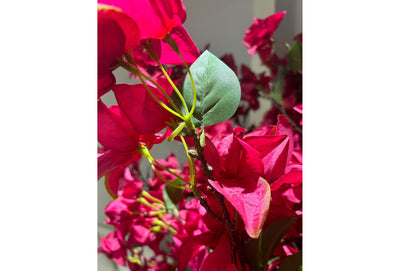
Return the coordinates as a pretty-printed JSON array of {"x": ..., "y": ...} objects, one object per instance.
[{"x": 237, "y": 202}]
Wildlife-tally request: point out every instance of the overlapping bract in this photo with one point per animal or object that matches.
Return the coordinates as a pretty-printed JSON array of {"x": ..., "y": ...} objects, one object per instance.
[
  {"x": 120, "y": 141},
  {"x": 258, "y": 36},
  {"x": 124, "y": 25}
]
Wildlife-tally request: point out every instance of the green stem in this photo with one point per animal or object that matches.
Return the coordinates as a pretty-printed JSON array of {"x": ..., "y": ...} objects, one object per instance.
[
  {"x": 165, "y": 224},
  {"x": 171, "y": 172},
  {"x": 154, "y": 56},
  {"x": 273, "y": 39},
  {"x": 143, "y": 150},
  {"x": 134, "y": 70},
  {"x": 193, "y": 84},
  {"x": 176, "y": 131},
  {"x": 192, "y": 167},
  {"x": 132, "y": 62},
  {"x": 143, "y": 201},
  {"x": 168, "y": 182},
  {"x": 175, "y": 47},
  {"x": 147, "y": 195}
]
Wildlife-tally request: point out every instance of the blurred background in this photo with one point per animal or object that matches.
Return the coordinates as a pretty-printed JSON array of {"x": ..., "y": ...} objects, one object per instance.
[{"x": 221, "y": 24}]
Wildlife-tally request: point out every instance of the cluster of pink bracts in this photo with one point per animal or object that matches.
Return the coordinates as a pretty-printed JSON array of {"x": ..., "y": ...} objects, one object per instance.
[{"x": 246, "y": 181}]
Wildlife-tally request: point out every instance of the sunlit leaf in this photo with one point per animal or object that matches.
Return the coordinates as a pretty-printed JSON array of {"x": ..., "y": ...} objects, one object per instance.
[{"x": 217, "y": 89}]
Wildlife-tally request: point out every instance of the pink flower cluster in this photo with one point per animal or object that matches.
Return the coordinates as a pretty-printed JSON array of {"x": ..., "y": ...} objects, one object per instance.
[
  {"x": 249, "y": 169},
  {"x": 123, "y": 28},
  {"x": 238, "y": 184},
  {"x": 259, "y": 39},
  {"x": 123, "y": 32}
]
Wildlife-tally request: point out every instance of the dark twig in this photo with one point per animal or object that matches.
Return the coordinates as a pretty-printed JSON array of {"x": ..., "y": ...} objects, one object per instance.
[
  {"x": 230, "y": 225},
  {"x": 204, "y": 203}
]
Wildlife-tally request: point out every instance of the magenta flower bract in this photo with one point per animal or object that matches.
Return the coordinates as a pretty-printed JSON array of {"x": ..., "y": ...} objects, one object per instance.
[
  {"x": 116, "y": 34},
  {"x": 275, "y": 149},
  {"x": 155, "y": 18},
  {"x": 113, "y": 246},
  {"x": 220, "y": 258},
  {"x": 165, "y": 53},
  {"x": 237, "y": 170},
  {"x": 120, "y": 141},
  {"x": 144, "y": 114},
  {"x": 258, "y": 36}
]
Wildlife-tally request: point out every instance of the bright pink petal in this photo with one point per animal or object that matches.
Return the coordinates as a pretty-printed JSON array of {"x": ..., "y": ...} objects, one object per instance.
[
  {"x": 293, "y": 177},
  {"x": 119, "y": 215},
  {"x": 284, "y": 127},
  {"x": 263, "y": 131},
  {"x": 109, "y": 13},
  {"x": 190, "y": 247},
  {"x": 150, "y": 139},
  {"x": 299, "y": 108},
  {"x": 278, "y": 207},
  {"x": 111, "y": 160},
  {"x": 143, "y": 112},
  {"x": 252, "y": 205},
  {"x": 229, "y": 149},
  {"x": 113, "y": 131},
  {"x": 140, "y": 234},
  {"x": 121, "y": 178},
  {"x": 250, "y": 164},
  {"x": 105, "y": 83},
  {"x": 240, "y": 160},
  {"x": 112, "y": 180},
  {"x": 220, "y": 259},
  {"x": 293, "y": 195},
  {"x": 196, "y": 261},
  {"x": 117, "y": 33},
  {"x": 273, "y": 151},
  {"x": 212, "y": 157},
  {"x": 133, "y": 187},
  {"x": 186, "y": 46},
  {"x": 239, "y": 181},
  {"x": 110, "y": 41},
  {"x": 218, "y": 131},
  {"x": 260, "y": 32},
  {"x": 113, "y": 246},
  {"x": 155, "y": 18}
]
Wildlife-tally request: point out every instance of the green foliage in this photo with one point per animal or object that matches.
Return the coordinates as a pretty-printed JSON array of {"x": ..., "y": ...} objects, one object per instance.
[
  {"x": 292, "y": 263},
  {"x": 175, "y": 194},
  {"x": 217, "y": 89},
  {"x": 265, "y": 244},
  {"x": 296, "y": 57},
  {"x": 279, "y": 84}
]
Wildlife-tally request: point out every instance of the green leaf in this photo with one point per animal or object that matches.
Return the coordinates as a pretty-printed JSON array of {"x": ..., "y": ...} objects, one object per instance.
[
  {"x": 273, "y": 234},
  {"x": 168, "y": 202},
  {"x": 217, "y": 88},
  {"x": 175, "y": 194},
  {"x": 253, "y": 258},
  {"x": 295, "y": 57},
  {"x": 258, "y": 251},
  {"x": 277, "y": 87},
  {"x": 292, "y": 262}
]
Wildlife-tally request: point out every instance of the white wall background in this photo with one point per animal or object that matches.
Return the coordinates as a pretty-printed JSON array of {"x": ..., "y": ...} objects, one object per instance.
[{"x": 222, "y": 24}]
